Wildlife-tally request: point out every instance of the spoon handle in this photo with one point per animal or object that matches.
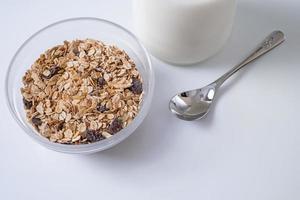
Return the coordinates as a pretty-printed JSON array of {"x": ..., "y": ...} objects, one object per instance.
[{"x": 272, "y": 41}]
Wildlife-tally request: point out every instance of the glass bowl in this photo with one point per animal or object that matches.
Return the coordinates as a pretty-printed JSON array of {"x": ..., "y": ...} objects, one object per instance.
[{"x": 70, "y": 29}]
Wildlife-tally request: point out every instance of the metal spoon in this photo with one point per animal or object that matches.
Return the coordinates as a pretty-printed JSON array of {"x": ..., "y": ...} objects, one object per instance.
[{"x": 195, "y": 104}]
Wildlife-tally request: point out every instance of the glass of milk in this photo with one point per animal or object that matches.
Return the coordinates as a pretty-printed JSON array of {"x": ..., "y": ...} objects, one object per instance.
[{"x": 183, "y": 31}]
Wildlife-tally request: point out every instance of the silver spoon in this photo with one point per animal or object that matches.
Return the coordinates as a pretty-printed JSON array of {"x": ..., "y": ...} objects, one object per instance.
[{"x": 195, "y": 104}]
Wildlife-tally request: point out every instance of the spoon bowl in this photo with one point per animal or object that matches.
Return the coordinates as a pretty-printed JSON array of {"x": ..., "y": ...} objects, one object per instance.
[{"x": 193, "y": 104}]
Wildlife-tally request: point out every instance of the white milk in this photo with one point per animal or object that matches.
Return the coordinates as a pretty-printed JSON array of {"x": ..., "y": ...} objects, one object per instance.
[{"x": 183, "y": 31}]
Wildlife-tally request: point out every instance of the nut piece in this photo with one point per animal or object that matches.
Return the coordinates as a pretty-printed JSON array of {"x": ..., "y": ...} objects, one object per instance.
[
  {"x": 39, "y": 108},
  {"x": 110, "y": 116},
  {"x": 81, "y": 127},
  {"x": 106, "y": 135},
  {"x": 68, "y": 134}
]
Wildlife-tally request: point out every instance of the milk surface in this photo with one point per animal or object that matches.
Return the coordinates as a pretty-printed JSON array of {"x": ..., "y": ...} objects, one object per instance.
[{"x": 183, "y": 31}]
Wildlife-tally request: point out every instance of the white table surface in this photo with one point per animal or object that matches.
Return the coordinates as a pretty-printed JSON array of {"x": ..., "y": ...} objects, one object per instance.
[{"x": 248, "y": 148}]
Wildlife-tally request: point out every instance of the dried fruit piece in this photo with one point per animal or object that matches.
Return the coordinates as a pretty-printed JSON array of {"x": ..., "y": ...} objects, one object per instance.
[
  {"x": 93, "y": 136},
  {"x": 27, "y": 104},
  {"x": 101, "y": 82},
  {"x": 75, "y": 49},
  {"x": 115, "y": 126},
  {"x": 137, "y": 86},
  {"x": 60, "y": 126},
  {"x": 36, "y": 121},
  {"x": 102, "y": 108}
]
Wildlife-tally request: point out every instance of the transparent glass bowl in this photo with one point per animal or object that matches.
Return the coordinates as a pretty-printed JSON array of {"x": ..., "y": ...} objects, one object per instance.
[{"x": 70, "y": 29}]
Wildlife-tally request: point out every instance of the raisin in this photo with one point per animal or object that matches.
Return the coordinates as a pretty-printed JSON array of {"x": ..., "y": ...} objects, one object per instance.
[
  {"x": 27, "y": 104},
  {"x": 101, "y": 108},
  {"x": 60, "y": 126},
  {"x": 136, "y": 87},
  {"x": 75, "y": 51},
  {"x": 120, "y": 62},
  {"x": 36, "y": 121},
  {"x": 101, "y": 82},
  {"x": 93, "y": 136},
  {"x": 53, "y": 71},
  {"x": 115, "y": 126}
]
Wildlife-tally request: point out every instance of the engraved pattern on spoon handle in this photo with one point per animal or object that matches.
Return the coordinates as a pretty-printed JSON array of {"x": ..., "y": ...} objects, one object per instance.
[{"x": 272, "y": 41}]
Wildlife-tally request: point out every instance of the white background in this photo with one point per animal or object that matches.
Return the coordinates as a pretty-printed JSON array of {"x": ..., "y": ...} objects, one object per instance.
[{"x": 248, "y": 148}]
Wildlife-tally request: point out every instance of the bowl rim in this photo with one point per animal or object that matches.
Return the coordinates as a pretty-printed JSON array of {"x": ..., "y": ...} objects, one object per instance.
[{"x": 92, "y": 147}]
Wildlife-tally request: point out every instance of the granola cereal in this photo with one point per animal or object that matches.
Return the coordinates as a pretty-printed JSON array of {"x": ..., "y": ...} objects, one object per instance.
[{"x": 82, "y": 91}]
